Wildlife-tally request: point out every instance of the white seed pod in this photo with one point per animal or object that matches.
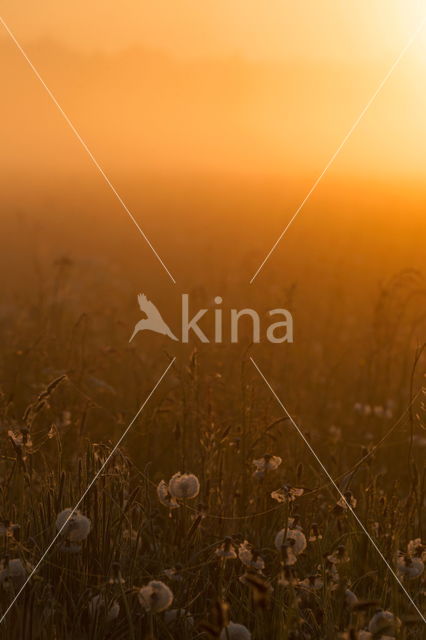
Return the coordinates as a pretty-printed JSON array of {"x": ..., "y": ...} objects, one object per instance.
[
  {"x": 295, "y": 537},
  {"x": 339, "y": 556},
  {"x": 234, "y": 631},
  {"x": 155, "y": 596},
  {"x": 249, "y": 558},
  {"x": 410, "y": 568},
  {"x": 267, "y": 463},
  {"x": 100, "y": 607},
  {"x": 384, "y": 621},
  {"x": 184, "y": 485},
  {"x": 165, "y": 497},
  {"x": 76, "y": 529},
  {"x": 287, "y": 493},
  {"x": 13, "y": 573},
  {"x": 312, "y": 583},
  {"x": 417, "y": 548},
  {"x": 347, "y": 500},
  {"x": 226, "y": 550},
  {"x": 350, "y": 598}
]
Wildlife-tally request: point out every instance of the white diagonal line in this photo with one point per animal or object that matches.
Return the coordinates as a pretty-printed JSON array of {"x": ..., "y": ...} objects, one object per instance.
[
  {"x": 342, "y": 144},
  {"x": 86, "y": 148},
  {"x": 301, "y": 434},
  {"x": 92, "y": 482}
]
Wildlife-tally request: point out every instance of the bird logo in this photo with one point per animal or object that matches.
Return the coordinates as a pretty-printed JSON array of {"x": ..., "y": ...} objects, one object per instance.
[{"x": 153, "y": 320}]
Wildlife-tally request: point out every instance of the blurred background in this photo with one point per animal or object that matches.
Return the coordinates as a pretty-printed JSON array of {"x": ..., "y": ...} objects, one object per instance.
[{"x": 213, "y": 120}]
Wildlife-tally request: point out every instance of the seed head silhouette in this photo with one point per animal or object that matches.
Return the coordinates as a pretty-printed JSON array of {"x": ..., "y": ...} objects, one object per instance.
[{"x": 153, "y": 320}]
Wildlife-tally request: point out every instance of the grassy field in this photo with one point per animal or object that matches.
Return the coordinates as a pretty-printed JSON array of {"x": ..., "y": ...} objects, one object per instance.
[{"x": 200, "y": 554}]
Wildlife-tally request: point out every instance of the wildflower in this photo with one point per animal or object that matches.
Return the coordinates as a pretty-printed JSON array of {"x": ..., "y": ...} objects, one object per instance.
[
  {"x": 264, "y": 464},
  {"x": 289, "y": 558},
  {"x": 165, "y": 497},
  {"x": 410, "y": 568},
  {"x": 100, "y": 607},
  {"x": 312, "y": 583},
  {"x": 294, "y": 537},
  {"x": 331, "y": 571},
  {"x": 286, "y": 577},
  {"x": 384, "y": 622},
  {"x": 174, "y": 573},
  {"x": 346, "y": 500},
  {"x": 13, "y": 573},
  {"x": 53, "y": 431},
  {"x": 287, "y": 493},
  {"x": 184, "y": 485},
  {"x": 339, "y": 556},
  {"x": 416, "y": 548},
  {"x": 21, "y": 442},
  {"x": 75, "y": 528},
  {"x": 249, "y": 557},
  {"x": 314, "y": 533},
  {"x": 155, "y": 596},
  {"x": 226, "y": 550},
  {"x": 9, "y": 530},
  {"x": 234, "y": 631}
]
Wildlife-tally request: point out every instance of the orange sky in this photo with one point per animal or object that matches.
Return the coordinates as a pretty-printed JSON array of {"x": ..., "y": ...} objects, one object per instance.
[
  {"x": 238, "y": 86},
  {"x": 277, "y": 29}
]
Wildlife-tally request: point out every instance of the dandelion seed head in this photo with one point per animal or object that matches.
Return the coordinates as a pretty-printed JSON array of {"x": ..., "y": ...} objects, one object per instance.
[
  {"x": 9, "y": 530},
  {"x": 293, "y": 537},
  {"x": 155, "y": 596},
  {"x": 339, "y": 556},
  {"x": 173, "y": 573},
  {"x": 249, "y": 557},
  {"x": 165, "y": 497},
  {"x": 266, "y": 463},
  {"x": 286, "y": 493},
  {"x": 312, "y": 583},
  {"x": 226, "y": 550},
  {"x": 347, "y": 500},
  {"x": 234, "y": 631},
  {"x": 76, "y": 529},
  {"x": 384, "y": 621},
  {"x": 350, "y": 598},
  {"x": 13, "y": 573},
  {"x": 416, "y": 548},
  {"x": 314, "y": 533},
  {"x": 410, "y": 568},
  {"x": 184, "y": 485}
]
